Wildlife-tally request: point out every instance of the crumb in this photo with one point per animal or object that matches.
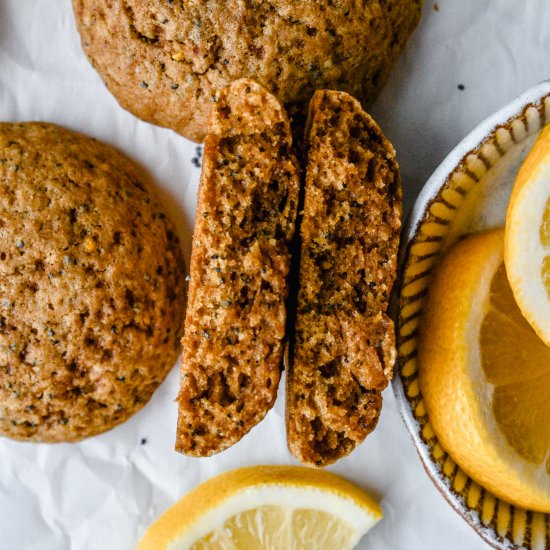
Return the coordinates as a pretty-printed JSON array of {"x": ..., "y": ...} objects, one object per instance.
[{"x": 461, "y": 87}]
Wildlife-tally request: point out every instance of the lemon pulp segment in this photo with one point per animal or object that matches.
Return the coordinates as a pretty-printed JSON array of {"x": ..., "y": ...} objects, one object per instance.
[
  {"x": 517, "y": 363},
  {"x": 545, "y": 241},
  {"x": 544, "y": 231},
  {"x": 273, "y": 527},
  {"x": 527, "y": 242},
  {"x": 484, "y": 374}
]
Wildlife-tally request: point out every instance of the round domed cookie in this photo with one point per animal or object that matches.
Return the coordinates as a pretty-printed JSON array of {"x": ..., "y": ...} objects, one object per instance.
[
  {"x": 164, "y": 60},
  {"x": 91, "y": 286}
]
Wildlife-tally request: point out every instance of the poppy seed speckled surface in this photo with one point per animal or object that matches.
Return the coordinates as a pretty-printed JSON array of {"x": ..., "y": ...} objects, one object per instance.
[
  {"x": 165, "y": 60},
  {"x": 91, "y": 286}
]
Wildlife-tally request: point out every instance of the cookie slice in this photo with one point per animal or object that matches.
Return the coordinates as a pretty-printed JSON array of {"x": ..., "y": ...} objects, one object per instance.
[
  {"x": 234, "y": 329},
  {"x": 344, "y": 350}
]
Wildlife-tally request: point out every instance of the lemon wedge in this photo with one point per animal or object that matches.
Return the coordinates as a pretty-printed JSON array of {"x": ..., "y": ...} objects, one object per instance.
[
  {"x": 266, "y": 507},
  {"x": 527, "y": 243},
  {"x": 485, "y": 375}
]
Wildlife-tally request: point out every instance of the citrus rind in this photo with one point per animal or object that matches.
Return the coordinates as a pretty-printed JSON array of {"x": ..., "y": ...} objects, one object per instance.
[
  {"x": 457, "y": 395},
  {"x": 524, "y": 250},
  {"x": 288, "y": 489}
]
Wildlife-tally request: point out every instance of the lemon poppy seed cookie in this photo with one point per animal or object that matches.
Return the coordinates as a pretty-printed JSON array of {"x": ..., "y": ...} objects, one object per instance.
[
  {"x": 164, "y": 60},
  {"x": 343, "y": 352},
  {"x": 91, "y": 286},
  {"x": 235, "y": 322}
]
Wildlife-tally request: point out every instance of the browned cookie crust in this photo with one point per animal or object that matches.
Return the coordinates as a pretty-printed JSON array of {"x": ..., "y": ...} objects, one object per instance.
[
  {"x": 164, "y": 59},
  {"x": 248, "y": 195},
  {"x": 91, "y": 286},
  {"x": 344, "y": 343}
]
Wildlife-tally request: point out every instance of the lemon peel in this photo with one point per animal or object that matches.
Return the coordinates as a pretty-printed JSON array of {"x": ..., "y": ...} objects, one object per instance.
[
  {"x": 527, "y": 241},
  {"x": 266, "y": 507},
  {"x": 485, "y": 375}
]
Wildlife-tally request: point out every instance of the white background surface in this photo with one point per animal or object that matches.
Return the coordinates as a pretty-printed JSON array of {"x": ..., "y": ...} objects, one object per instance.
[{"x": 102, "y": 493}]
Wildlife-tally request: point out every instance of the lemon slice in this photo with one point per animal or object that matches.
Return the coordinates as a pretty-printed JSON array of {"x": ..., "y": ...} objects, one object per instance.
[
  {"x": 485, "y": 375},
  {"x": 527, "y": 246},
  {"x": 266, "y": 507}
]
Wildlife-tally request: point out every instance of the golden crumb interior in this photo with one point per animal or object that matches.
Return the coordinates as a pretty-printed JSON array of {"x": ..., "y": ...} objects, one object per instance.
[
  {"x": 344, "y": 343},
  {"x": 232, "y": 348}
]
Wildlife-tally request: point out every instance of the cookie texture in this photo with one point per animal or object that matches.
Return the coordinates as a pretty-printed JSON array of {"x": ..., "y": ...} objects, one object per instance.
[
  {"x": 235, "y": 322},
  {"x": 164, "y": 60},
  {"x": 343, "y": 351},
  {"x": 91, "y": 286}
]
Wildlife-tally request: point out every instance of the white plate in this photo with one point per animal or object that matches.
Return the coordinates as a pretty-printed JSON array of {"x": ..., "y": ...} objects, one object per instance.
[{"x": 468, "y": 192}]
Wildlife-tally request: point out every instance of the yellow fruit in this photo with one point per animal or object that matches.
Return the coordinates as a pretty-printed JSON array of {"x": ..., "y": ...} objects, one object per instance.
[
  {"x": 527, "y": 242},
  {"x": 266, "y": 507},
  {"x": 485, "y": 375}
]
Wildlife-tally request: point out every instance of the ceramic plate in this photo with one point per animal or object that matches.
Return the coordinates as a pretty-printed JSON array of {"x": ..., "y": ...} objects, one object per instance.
[{"x": 467, "y": 193}]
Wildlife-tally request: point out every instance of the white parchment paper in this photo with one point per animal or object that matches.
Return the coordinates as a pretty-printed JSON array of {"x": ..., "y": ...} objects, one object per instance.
[{"x": 103, "y": 492}]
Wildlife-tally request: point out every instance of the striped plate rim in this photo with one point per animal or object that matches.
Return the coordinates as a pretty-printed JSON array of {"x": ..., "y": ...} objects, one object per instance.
[{"x": 497, "y": 522}]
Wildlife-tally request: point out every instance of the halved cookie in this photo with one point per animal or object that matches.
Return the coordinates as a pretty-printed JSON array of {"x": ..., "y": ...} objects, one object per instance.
[
  {"x": 343, "y": 353},
  {"x": 235, "y": 324},
  {"x": 164, "y": 60}
]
